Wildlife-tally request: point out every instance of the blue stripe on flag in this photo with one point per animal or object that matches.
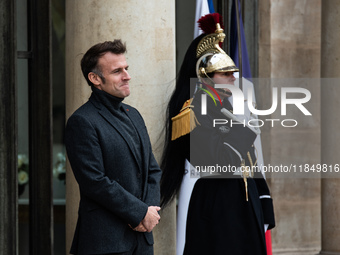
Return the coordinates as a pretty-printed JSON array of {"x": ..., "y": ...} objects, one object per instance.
[
  {"x": 246, "y": 71},
  {"x": 211, "y": 6}
]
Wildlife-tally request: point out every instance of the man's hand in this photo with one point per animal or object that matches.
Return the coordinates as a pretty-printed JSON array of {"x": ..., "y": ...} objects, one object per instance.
[
  {"x": 139, "y": 228},
  {"x": 151, "y": 218}
]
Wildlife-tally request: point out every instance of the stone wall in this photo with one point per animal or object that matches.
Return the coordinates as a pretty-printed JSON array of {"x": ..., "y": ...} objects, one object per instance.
[{"x": 290, "y": 47}]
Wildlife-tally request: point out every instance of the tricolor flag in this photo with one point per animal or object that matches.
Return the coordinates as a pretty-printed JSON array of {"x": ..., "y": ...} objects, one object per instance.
[
  {"x": 246, "y": 73},
  {"x": 234, "y": 50},
  {"x": 203, "y": 7}
]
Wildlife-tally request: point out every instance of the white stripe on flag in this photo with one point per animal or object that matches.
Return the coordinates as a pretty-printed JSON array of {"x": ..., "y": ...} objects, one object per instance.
[
  {"x": 188, "y": 182},
  {"x": 202, "y": 8}
]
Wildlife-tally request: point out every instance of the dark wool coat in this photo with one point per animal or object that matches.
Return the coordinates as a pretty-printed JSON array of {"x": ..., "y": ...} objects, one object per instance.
[{"x": 115, "y": 187}]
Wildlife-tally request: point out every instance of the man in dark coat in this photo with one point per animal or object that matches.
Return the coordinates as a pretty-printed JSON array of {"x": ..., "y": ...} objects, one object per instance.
[{"x": 111, "y": 157}]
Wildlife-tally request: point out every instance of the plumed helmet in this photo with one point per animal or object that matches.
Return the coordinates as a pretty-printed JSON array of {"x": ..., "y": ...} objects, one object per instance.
[{"x": 211, "y": 57}]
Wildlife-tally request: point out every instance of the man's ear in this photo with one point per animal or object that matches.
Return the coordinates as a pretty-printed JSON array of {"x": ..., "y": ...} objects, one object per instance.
[{"x": 94, "y": 78}]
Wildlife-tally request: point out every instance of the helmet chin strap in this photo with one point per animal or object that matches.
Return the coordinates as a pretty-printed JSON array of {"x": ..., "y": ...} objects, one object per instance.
[
  {"x": 202, "y": 74},
  {"x": 202, "y": 71}
]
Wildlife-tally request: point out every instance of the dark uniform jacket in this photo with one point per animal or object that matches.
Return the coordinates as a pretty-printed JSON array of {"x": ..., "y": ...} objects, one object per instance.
[
  {"x": 111, "y": 157},
  {"x": 220, "y": 220}
]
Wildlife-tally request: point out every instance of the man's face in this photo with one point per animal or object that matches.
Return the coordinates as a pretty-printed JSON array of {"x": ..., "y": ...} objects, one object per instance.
[
  {"x": 224, "y": 78},
  {"x": 116, "y": 77}
]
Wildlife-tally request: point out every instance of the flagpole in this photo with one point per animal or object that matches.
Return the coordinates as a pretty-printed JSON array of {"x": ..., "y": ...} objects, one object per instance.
[
  {"x": 239, "y": 42},
  {"x": 220, "y": 10}
]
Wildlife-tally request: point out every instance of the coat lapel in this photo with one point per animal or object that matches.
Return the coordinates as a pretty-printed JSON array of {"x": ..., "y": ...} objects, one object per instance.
[
  {"x": 105, "y": 113},
  {"x": 139, "y": 125}
]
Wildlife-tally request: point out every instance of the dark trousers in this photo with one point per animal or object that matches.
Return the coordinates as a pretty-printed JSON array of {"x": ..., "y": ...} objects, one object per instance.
[{"x": 141, "y": 247}]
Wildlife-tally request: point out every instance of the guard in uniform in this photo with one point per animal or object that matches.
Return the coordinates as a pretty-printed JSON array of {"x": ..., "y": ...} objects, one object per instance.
[{"x": 230, "y": 207}]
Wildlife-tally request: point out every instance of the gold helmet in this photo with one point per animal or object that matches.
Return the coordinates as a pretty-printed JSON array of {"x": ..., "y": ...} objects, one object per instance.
[{"x": 211, "y": 58}]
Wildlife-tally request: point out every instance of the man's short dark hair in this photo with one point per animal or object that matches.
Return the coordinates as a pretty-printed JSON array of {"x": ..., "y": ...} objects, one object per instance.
[{"x": 90, "y": 59}]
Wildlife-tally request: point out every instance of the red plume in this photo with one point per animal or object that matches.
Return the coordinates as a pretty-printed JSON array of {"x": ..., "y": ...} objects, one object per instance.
[{"x": 208, "y": 22}]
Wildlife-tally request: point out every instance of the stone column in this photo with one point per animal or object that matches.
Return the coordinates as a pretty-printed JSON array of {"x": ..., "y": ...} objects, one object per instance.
[
  {"x": 148, "y": 28},
  {"x": 330, "y": 91},
  {"x": 289, "y": 47}
]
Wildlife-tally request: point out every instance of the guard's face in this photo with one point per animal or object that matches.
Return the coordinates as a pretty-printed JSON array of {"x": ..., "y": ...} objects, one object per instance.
[
  {"x": 116, "y": 77},
  {"x": 224, "y": 78}
]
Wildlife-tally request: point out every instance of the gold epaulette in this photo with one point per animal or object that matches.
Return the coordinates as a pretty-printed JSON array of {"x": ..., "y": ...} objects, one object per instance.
[{"x": 184, "y": 122}]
